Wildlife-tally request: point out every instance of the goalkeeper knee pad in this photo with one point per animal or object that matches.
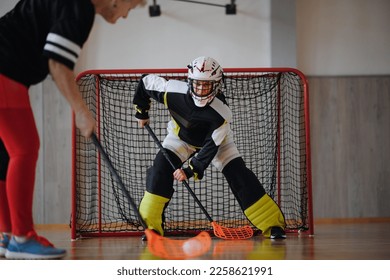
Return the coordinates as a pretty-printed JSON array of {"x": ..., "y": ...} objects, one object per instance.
[
  {"x": 265, "y": 214},
  {"x": 151, "y": 209}
]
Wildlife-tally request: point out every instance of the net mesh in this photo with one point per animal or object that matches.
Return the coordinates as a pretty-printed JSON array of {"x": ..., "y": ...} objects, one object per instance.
[{"x": 269, "y": 130}]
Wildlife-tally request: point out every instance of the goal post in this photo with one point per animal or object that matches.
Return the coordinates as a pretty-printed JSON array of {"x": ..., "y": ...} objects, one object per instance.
[{"x": 271, "y": 128}]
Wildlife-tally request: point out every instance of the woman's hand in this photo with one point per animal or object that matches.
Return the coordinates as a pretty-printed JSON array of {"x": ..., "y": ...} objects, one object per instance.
[{"x": 85, "y": 122}]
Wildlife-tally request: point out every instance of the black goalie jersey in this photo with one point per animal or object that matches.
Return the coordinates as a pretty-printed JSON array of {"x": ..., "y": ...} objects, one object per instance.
[
  {"x": 36, "y": 30},
  {"x": 202, "y": 127}
]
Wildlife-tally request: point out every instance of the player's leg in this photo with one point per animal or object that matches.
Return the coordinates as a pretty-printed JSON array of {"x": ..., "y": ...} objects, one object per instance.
[
  {"x": 20, "y": 138},
  {"x": 159, "y": 182},
  {"x": 258, "y": 207},
  {"x": 159, "y": 190}
]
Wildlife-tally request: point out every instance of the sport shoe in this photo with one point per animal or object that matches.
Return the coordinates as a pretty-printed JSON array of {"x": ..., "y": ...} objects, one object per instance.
[
  {"x": 4, "y": 241},
  {"x": 36, "y": 247},
  {"x": 277, "y": 233}
]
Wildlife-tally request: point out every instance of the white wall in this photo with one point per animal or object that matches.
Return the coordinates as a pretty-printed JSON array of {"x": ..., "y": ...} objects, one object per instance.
[
  {"x": 182, "y": 32},
  {"x": 343, "y": 37}
]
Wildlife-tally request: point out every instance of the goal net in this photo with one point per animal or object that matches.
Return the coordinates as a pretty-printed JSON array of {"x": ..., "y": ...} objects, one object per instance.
[{"x": 271, "y": 130}]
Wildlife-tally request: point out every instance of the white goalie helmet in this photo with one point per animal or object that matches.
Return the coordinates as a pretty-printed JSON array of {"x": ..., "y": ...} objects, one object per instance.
[{"x": 205, "y": 77}]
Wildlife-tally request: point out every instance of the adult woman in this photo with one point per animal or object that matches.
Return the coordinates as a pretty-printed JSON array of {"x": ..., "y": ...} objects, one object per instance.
[{"x": 38, "y": 37}]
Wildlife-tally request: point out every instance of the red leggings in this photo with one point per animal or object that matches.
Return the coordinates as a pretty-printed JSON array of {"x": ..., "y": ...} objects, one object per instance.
[{"x": 18, "y": 156}]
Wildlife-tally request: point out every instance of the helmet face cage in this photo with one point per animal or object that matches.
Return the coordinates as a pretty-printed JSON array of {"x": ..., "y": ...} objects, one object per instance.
[
  {"x": 204, "y": 89},
  {"x": 204, "y": 79}
]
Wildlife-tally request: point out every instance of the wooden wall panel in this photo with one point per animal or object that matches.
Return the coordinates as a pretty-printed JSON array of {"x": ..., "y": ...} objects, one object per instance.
[
  {"x": 57, "y": 154},
  {"x": 350, "y": 132},
  {"x": 52, "y": 184}
]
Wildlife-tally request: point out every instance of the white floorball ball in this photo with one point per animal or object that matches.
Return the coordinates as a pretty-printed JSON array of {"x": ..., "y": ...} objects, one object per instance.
[{"x": 192, "y": 247}]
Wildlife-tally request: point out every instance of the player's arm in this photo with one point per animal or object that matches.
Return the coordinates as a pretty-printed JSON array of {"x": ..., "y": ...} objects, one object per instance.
[
  {"x": 65, "y": 81},
  {"x": 150, "y": 86}
]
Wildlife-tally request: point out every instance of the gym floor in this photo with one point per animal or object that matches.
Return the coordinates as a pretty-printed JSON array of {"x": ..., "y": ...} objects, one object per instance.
[{"x": 331, "y": 241}]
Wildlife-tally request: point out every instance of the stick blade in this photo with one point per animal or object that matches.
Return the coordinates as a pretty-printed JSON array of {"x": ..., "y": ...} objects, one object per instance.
[
  {"x": 240, "y": 233},
  {"x": 178, "y": 249}
]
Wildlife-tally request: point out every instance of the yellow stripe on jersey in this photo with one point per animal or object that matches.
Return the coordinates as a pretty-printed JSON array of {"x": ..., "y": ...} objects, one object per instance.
[{"x": 166, "y": 99}]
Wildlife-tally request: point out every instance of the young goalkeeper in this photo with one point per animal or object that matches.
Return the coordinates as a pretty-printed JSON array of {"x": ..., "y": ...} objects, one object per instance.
[{"x": 200, "y": 131}]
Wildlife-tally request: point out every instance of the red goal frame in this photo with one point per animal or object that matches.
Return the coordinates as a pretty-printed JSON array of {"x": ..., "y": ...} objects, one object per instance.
[{"x": 305, "y": 89}]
